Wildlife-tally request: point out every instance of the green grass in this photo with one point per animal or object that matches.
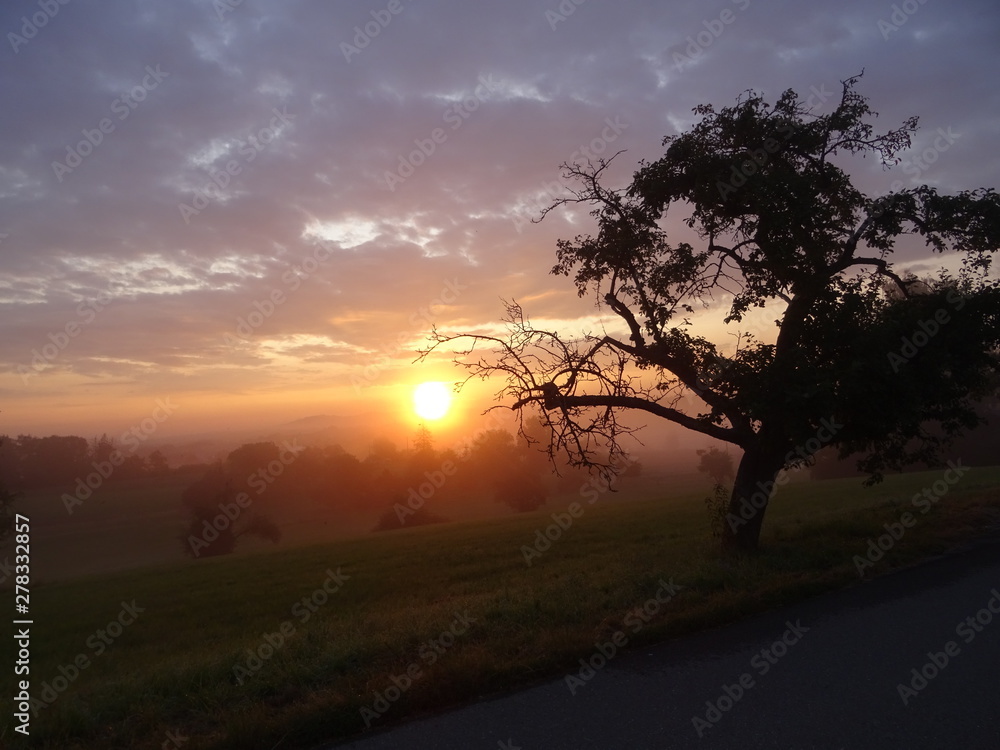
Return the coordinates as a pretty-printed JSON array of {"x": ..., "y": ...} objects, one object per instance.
[
  {"x": 117, "y": 526},
  {"x": 173, "y": 669}
]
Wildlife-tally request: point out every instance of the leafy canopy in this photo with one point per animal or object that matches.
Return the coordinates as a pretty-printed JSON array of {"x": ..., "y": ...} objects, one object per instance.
[{"x": 897, "y": 362}]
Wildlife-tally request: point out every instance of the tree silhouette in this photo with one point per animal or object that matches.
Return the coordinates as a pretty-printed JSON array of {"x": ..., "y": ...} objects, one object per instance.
[
  {"x": 51, "y": 461},
  {"x": 423, "y": 441},
  {"x": 498, "y": 459},
  {"x": 101, "y": 448},
  {"x": 715, "y": 464},
  {"x": 857, "y": 361},
  {"x": 7, "y": 500},
  {"x": 221, "y": 507},
  {"x": 158, "y": 465}
]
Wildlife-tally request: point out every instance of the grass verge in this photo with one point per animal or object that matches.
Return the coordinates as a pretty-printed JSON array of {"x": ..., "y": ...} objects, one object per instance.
[{"x": 398, "y": 595}]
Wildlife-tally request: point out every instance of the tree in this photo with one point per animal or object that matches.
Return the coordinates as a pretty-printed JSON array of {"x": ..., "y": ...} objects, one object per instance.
[
  {"x": 497, "y": 458},
  {"x": 423, "y": 442},
  {"x": 158, "y": 465},
  {"x": 857, "y": 361},
  {"x": 52, "y": 461},
  {"x": 10, "y": 463},
  {"x": 249, "y": 460},
  {"x": 101, "y": 448},
  {"x": 715, "y": 464},
  {"x": 7, "y": 499},
  {"x": 219, "y": 516},
  {"x": 422, "y": 456}
]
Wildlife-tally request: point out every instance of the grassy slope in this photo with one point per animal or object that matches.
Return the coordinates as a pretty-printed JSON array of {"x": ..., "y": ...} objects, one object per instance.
[
  {"x": 173, "y": 669},
  {"x": 136, "y": 520}
]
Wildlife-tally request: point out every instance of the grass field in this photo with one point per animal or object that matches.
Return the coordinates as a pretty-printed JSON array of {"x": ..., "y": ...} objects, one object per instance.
[{"x": 323, "y": 657}]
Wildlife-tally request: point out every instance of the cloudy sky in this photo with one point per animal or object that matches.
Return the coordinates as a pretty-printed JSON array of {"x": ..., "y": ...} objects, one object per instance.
[{"x": 256, "y": 209}]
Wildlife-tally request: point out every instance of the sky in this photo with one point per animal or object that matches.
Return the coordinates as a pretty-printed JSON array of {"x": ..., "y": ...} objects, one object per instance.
[{"x": 253, "y": 212}]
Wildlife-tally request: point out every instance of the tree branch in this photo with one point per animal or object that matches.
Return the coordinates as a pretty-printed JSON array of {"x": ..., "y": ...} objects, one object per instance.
[{"x": 549, "y": 401}]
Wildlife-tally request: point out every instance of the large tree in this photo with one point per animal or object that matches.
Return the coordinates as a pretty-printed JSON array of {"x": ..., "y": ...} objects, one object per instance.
[{"x": 865, "y": 358}]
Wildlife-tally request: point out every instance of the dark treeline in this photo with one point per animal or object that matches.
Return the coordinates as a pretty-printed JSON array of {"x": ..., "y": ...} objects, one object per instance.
[
  {"x": 28, "y": 462},
  {"x": 977, "y": 446},
  {"x": 261, "y": 485}
]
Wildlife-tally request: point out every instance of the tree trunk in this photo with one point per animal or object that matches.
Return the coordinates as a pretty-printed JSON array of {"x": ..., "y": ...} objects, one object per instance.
[{"x": 755, "y": 479}]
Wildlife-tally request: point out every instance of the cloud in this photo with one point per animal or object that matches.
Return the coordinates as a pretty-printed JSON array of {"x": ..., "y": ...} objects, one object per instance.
[{"x": 281, "y": 149}]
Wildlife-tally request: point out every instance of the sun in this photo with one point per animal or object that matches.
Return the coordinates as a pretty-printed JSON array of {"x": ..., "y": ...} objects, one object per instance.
[{"x": 431, "y": 400}]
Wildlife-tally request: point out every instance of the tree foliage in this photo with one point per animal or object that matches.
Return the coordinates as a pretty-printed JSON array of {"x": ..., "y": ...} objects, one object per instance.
[
  {"x": 221, "y": 511},
  {"x": 7, "y": 500},
  {"x": 510, "y": 467},
  {"x": 29, "y": 462},
  {"x": 872, "y": 360},
  {"x": 716, "y": 464}
]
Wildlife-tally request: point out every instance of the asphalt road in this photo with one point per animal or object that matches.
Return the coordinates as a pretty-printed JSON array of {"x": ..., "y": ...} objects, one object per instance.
[{"x": 833, "y": 682}]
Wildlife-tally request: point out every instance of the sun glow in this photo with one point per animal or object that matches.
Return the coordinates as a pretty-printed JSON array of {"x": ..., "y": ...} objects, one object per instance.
[{"x": 431, "y": 400}]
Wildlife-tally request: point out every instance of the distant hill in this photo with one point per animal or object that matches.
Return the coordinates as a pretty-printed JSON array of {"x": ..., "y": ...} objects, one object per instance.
[{"x": 353, "y": 432}]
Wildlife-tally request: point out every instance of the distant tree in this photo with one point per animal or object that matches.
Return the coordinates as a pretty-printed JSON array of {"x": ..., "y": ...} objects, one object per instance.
[
  {"x": 261, "y": 526},
  {"x": 52, "y": 461},
  {"x": 217, "y": 517},
  {"x": 517, "y": 478},
  {"x": 716, "y": 464},
  {"x": 249, "y": 460},
  {"x": 423, "y": 441},
  {"x": 421, "y": 457},
  {"x": 782, "y": 226},
  {"x": 7, "y": 500},
  {"x": 131, "y": 467},
  {"x": 10, "y": 464},
  {"x": 101, "y": 448},
  {"x": 344, "y": 479},
  {"x": 7, "y": 514},
  {"x": 383, "y": 450},
  {"x": 521, "y": 490},
  {"x": 157, "y": 464},
  {"x": 383, "y": 471}
]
